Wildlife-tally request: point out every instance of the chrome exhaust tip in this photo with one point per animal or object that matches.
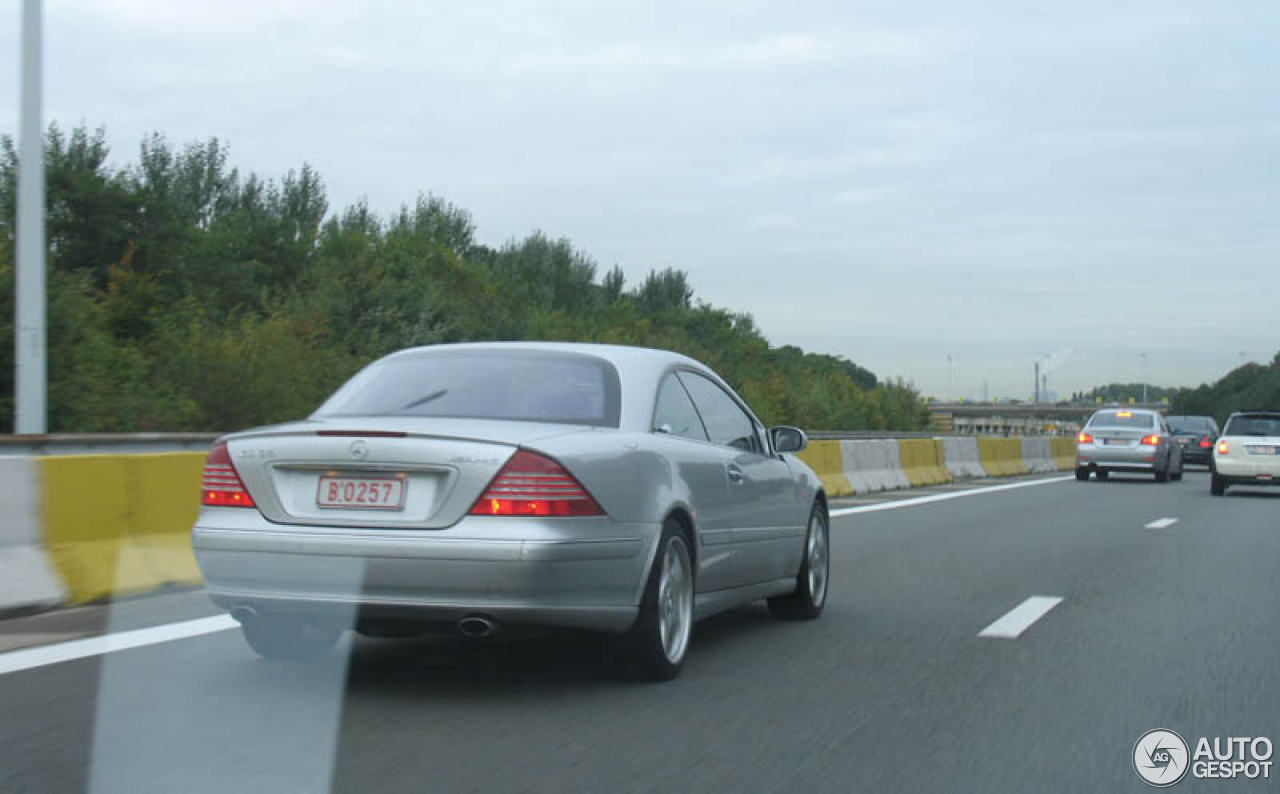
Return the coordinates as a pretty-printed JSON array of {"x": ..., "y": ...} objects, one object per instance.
[{"x": 476, "y": 626}]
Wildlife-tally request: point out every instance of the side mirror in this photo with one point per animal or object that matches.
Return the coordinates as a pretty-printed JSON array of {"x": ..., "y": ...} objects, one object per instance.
[{"x": 788, "y": 439}]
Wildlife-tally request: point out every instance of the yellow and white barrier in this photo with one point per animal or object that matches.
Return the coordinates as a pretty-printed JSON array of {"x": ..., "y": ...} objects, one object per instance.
[
  {"x": 83, "y": 528},
  {"x": 869, "y": 465}
]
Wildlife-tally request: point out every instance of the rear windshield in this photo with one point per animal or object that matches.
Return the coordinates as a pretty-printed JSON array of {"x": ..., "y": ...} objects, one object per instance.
[
  {"x": 1122, "y": 419},
  {"x": 1256, "y": 425},
  {"x": 532, "y": 386},
  {"x": 1190, "y": 424}
]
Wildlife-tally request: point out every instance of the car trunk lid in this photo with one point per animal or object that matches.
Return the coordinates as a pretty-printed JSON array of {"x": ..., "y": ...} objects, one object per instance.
[
  {"x": 1117, "y": 437},
  {"x": 377, "y": 472}
]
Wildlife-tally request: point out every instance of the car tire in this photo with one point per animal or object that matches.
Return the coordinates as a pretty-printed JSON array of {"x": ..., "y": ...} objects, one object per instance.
[
  {"x": 1082, "y": 475},
  {"x": 1102, "y": 474},
  {"x": 810, "y": 595},
  {"x": 1162, "y": 475},
  {"x": 655, "y": 647},
  {"x": 289, "y": 640},
  {"x": 1217, "y": 486}
]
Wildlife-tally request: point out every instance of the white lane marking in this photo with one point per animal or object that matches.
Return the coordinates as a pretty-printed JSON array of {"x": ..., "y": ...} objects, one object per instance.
[
  {"x": 16, "y": 661},
  {"x": 1020, "y": 618},
  {"x": 1162, "y": 523},
  {"x": 942, "y": 497}
]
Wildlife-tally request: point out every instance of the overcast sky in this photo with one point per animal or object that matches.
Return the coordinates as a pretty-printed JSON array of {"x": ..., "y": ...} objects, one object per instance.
[{"x": 1092, "y": 183}]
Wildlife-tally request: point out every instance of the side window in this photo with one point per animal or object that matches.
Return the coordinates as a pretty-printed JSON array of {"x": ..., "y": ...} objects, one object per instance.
[
  {"x": 674, "y": 412},
  {"x": 726, "y": 423}
]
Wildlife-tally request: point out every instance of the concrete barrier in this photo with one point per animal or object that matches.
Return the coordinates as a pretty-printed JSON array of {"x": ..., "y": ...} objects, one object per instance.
[
  {"x": 1064, "y": 453},
  {"x": 961, "y": 457},
  {"x": 85, "y": 511},
  {"x": 164, "y": 500},
  {"x": 120, "y": 524},
  {"x": 856, "y": 465},
  {"x": 1001, "y": 457},
  {"x": 824, "y": 458},
  {"x": 27, "y": 577},
  {"x": 1037, "y": 455},
  {"x": 921, "y": 460},
  {"x": 873, "y": 465}
]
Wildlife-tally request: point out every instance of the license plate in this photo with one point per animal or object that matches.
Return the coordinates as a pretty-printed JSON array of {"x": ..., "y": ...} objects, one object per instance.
[
  {"x": 1115, "y": 441},
  {"x": 1263, "y": 450},
  {"x": 360, "y": 493}
]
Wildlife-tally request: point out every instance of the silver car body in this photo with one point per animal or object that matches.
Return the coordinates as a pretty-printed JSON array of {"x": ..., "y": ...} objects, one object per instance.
[
  {"x": 433, "y": 562},
  {"x": 1112, "y": 440}
]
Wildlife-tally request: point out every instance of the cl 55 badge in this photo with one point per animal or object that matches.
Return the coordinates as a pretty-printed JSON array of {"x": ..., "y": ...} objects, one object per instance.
[{"x": 470, "y": 459}]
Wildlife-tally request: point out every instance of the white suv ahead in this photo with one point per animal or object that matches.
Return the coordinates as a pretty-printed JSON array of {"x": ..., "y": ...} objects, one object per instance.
[{"x": 1248, "y": 451}]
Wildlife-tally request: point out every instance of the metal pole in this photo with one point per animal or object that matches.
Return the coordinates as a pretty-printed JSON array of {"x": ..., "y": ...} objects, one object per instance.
[
  {"x": 29, "y": 294},
  {"x": 1144, "y": 377}
]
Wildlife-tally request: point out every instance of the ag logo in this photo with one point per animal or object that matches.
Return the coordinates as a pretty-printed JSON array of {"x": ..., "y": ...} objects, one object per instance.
[{"x": 1161, "y": 758}]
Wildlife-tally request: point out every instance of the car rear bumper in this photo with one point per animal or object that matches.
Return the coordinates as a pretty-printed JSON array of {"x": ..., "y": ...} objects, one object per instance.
[
  {"x": 584, "y": 573},
  {"x": 1241, "y": 473},
  {"x": 1196, "y": 454},
  {"x": 1136, "y": 459},
  {"x": 1263, "y": 481}
]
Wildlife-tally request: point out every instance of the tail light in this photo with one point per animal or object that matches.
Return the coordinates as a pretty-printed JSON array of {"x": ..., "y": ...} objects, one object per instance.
[
  {"x": 1223, "y": 448},
  {"x": 1150, "y": 441},
  {"x": 535, "y": 485},
  {"x": 1084, "y": 438},
  {"x": 1205, "y": 443},
  {"x": 222, "y": 486}
]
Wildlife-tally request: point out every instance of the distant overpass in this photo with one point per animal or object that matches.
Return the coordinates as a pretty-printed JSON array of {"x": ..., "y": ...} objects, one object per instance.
[{"x": 1003, "y": 419}]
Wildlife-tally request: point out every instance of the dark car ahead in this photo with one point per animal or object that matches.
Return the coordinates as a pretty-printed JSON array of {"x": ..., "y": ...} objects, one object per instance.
[{"x": 1196, "y": 435}]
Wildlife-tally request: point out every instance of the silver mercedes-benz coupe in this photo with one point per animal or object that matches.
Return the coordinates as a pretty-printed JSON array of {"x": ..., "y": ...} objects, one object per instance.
[{"x": 483, "y": 486}]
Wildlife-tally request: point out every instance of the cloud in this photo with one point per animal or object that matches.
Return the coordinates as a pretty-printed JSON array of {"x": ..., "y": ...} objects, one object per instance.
[{"x": 880, "y": 180}]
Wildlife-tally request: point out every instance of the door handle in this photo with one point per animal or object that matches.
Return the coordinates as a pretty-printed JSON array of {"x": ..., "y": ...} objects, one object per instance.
[{"x": 735, "y": 474}]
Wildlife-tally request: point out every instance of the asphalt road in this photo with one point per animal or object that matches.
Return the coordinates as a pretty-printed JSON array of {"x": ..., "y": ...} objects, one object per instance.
[{"x": 892, "y": 689}]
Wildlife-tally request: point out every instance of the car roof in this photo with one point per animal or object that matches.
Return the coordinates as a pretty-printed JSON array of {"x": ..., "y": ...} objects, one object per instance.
[
  {"x": 618, "y": 355},
  {"x": 641, "y": 369}
]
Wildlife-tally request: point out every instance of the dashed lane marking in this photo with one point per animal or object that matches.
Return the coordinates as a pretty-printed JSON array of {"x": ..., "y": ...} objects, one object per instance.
[{"x": 1020, "y": 618}]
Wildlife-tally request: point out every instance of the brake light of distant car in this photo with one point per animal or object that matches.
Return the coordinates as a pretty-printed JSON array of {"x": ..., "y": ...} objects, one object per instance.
[
  {"x": 1150, "y": 441},
  {"x": 1084, "y": 438},
  {"x": 1223, "y": 448},
  {"x": 535, "y": 485},
  {"x": 222, "y": 486},
  {"x": 1205, "y": 443}
]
